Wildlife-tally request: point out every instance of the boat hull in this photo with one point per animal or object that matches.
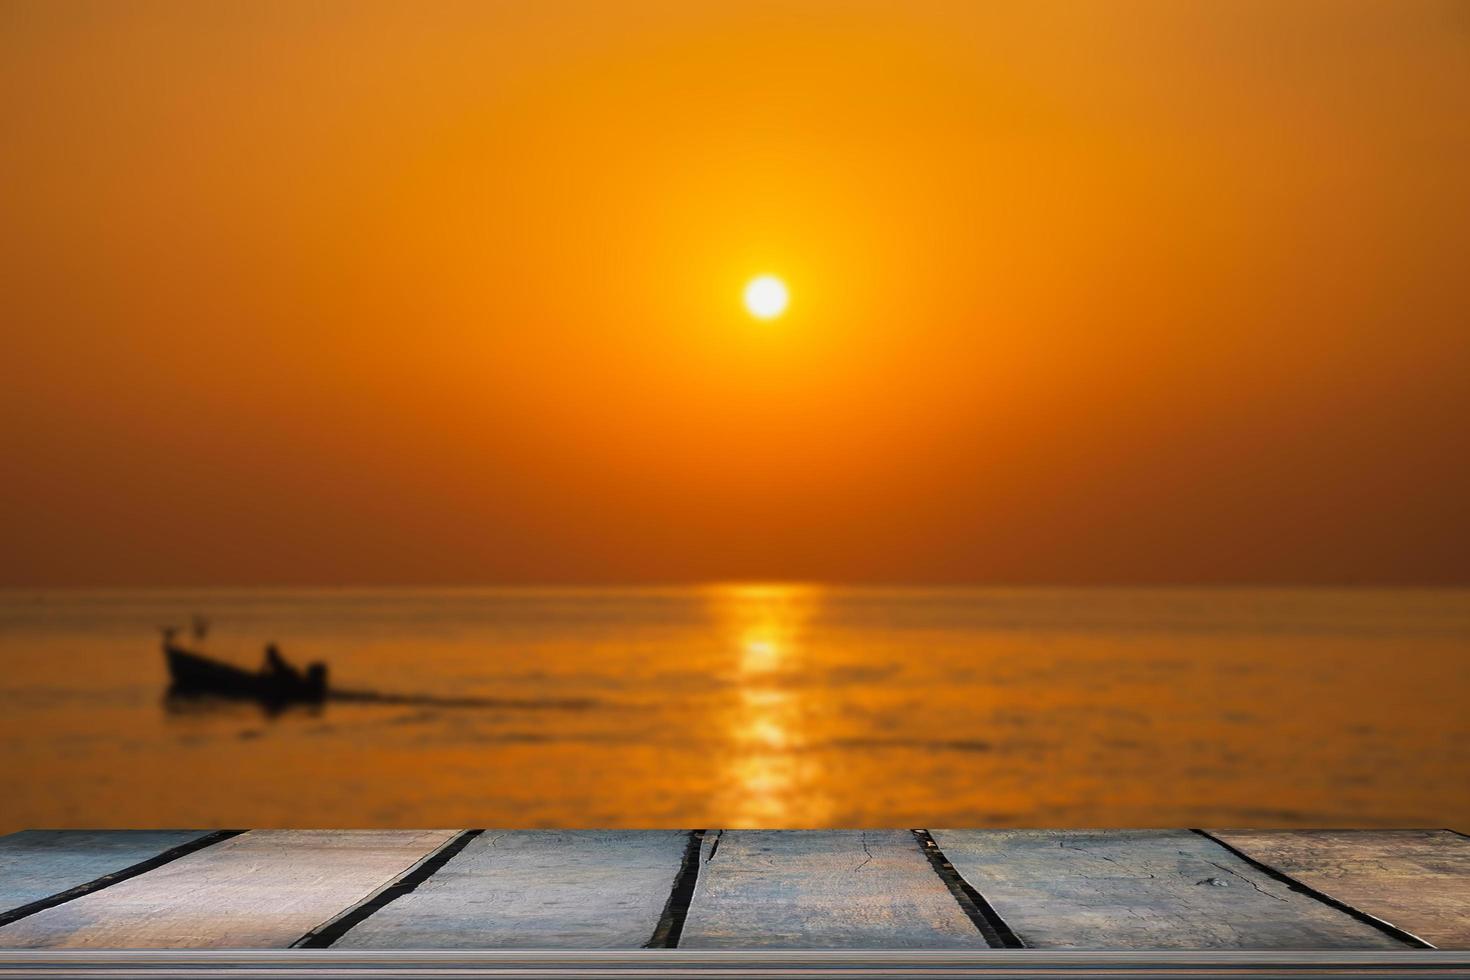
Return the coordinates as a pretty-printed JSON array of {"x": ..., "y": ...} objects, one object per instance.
[{"x": 191, "y": 673}]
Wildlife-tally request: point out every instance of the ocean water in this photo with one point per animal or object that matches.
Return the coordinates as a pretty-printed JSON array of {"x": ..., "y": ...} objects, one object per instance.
[{"x": 750, "y": 706}]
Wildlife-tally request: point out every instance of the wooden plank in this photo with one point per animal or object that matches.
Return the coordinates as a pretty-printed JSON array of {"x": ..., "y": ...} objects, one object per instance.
[
  {"x": 262, "y": 889},
  {"x": 848, "y": 889},
  {"x": 1142, "y": 889},
  {"x": 1418, "y": 880},
  {"x": 36, "y": 864},
  {"x": 531, "y": 889}
]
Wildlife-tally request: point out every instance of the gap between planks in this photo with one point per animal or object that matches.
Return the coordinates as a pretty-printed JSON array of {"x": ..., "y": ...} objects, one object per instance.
[
  {"x": 114, "y": 877},
  {"x": 324, "y": 935}
]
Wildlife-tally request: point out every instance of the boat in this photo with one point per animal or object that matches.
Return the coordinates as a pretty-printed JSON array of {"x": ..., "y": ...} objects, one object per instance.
[{"x": 192, "y": 673}]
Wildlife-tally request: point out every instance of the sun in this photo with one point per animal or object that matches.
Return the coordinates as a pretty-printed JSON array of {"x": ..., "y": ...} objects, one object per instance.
[{"x": 766, "y": 297}]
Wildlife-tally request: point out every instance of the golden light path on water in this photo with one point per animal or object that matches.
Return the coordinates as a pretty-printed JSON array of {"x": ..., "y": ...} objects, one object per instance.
[{"x": 770, "y": 777}]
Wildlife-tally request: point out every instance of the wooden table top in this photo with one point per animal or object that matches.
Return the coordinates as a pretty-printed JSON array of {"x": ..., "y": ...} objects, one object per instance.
[{"x": 1376, "y": 896}]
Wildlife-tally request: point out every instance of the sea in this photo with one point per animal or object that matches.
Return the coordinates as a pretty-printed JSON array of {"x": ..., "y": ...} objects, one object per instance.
[{"x": 747, "y": 705}]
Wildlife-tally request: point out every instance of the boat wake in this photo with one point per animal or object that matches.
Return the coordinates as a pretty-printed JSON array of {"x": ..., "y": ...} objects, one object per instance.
[{"x": 433, "y": 701}]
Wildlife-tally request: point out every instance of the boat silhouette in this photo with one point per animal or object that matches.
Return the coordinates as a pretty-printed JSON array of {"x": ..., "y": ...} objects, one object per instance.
[
  {"x": 193, "y": 673},
  {"x": 278, "y": 684}
]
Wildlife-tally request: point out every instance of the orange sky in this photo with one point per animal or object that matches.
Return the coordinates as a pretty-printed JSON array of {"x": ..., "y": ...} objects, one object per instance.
[{"x": 421, "y": 293}]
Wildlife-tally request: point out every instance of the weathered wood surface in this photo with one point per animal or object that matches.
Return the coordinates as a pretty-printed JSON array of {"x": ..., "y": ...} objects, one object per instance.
[
  {"x": 1143, "y": 889},
  {"x": 263, "y": 889},
  {"x": 36, "y": 864},
  {"x": 1418, "y": 880},
  {"x": 771, "y": 890},
  {"x": 846, "y": 889},
  {"x": 531, "y": 889}
]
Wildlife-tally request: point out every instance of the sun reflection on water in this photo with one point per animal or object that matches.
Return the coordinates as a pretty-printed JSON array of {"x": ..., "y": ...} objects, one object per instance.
[
  {"x": 760, "y": 654},
  {"x": 770, "y": 779}
]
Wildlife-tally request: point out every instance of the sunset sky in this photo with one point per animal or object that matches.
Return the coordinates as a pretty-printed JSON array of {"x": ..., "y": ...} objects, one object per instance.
[{"x": 359, "y": 293}]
